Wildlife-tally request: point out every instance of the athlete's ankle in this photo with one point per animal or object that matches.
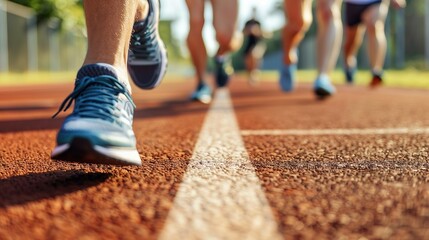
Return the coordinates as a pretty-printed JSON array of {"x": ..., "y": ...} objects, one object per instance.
[
  {"x": 142, "y": 11},
  {"x": 95, "y": 69},
  {"x": 377, "y": 73},
  {"x": 323, "y": 76}
]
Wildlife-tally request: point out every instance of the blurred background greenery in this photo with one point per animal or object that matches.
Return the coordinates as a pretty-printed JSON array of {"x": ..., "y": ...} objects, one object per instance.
[{"x": 48, "y": 36}]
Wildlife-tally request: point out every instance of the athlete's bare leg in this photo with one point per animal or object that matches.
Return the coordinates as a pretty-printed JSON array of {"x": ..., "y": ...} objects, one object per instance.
[
  {"x": 374, "y": 18},
  {"x": 195, "y": 40},
  {"x": 353, "y": 41},
  {"x": 110, "y": 45},
  {"x": 329, "y": 34},
  {"x": 102, "y": 105},
  {"x": 142, "y": 10},
  {"x": 252, "y": 65},
  {"x": 253, "y": 61},
  {"x": 225, "y": 14},
  {"x": 298, "y": 17}
]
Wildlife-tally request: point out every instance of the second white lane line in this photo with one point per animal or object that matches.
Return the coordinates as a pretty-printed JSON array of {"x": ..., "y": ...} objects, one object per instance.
[
  {"x": 220, "y": 196},
  {"x": 351, "y": 131}
]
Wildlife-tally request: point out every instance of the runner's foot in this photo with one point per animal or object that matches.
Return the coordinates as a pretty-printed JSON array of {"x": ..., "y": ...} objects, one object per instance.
[
  {"x": 376, "y": 80},
  {"x": 202, "y": 93},
  {"x": 223, "y": 71},
  {"x": 323, "y": 87},
  {"x": 350, "y": 75},
  {"x": 147, "y": 61},
  {"x": 287, "y": 77},
  {"x": 99, "y": 130}
]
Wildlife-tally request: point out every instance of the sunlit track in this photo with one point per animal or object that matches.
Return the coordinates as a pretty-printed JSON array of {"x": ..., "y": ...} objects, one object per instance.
[
  {"x": 365, "y": 176},
  {"x": 220, "y": 196},
  {"x": 352, "y": 131}
]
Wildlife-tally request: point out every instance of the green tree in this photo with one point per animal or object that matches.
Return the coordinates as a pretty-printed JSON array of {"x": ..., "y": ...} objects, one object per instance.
[{"x": 68, "y": 12}]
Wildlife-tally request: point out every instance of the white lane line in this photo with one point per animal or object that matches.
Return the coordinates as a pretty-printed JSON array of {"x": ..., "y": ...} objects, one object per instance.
[
  {"x": 221, "y": 196},
  {"x": 352, "y": 131}
]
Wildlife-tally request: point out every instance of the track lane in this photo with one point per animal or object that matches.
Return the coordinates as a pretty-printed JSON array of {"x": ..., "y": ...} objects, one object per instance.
[
  {"x": 43, "y": 199},
  {"x": 324, "y": 186},
  {"x": 343, "y": 168}
]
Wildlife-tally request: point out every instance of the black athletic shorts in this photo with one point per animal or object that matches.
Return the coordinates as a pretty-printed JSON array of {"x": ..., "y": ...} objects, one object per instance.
[{"x": 354, "y": 12}]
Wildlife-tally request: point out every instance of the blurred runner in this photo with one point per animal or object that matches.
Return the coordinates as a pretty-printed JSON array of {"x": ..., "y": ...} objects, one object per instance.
[
  {"x": 329, "y": 34},
  {"x": 369, "y": 16},
  {"x": 99, "y": 130},
  {"x": 254, "y": 47},
  {"x": 225, "y": 13}
]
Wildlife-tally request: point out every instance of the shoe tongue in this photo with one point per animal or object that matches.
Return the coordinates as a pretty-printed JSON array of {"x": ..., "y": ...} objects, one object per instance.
[{"x": 97, "y": 69}]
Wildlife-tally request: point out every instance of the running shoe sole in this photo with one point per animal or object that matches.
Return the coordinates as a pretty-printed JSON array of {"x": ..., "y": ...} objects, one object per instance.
[
  {"x": 203, "y": 99},
  {"x": 81, "y": 150},
  {"x": 134, "y": 66},
  {"x": 322, "y": 93}
]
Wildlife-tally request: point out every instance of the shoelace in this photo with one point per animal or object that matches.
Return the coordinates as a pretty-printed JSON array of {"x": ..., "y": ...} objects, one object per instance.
[
  {"x": 143, "y": 43},
  {"x": 93, "y": 103}
]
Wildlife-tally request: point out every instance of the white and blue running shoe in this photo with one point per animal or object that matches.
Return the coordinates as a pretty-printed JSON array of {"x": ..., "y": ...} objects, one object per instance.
[
  {"x": 99, "y": 130},
  {"x": 323, "y": 87},
  {"x": 203, "y": 94},
  {"x": 147, "y": 58}
]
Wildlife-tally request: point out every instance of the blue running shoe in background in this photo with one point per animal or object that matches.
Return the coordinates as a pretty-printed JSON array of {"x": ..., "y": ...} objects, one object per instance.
[
  {"x": 99, "y": 130},
  {"x": 203, "y": 93},
  {"x": 223, "y": 71},
  {"x": 287, "y": 77},
  {"x": 147, "y": 60},
  {"x": 323, "y": 87}
]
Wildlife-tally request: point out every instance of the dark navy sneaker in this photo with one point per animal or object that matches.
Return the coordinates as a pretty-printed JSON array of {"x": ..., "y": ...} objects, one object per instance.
[
  {"x": 99, "y": 130},
  {"x": 287, "y": 77},
  {"x": 223, "y": 71},
  {"x": 147, "y": 60},
  {"x": 323, "y": 87},
  {"x": 203, "y": 94},
  {"x": 350, "y": 74}
]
